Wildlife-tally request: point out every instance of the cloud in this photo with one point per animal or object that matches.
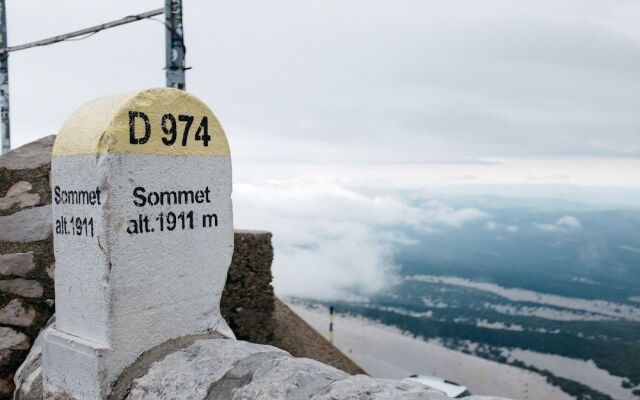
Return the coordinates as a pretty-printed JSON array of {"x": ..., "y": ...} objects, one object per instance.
[
  {"x": 494, "y": 226},
  {"x": 350, "y": 263},
  {"x": 562, "y": 224},
  {"x": 632, "y": 249},
  {"x": 437, "y": 213},
  {"x": 546, "y": 227},
  {"x": 333, "y": 242},
  {"x": 569, "y": 221}
]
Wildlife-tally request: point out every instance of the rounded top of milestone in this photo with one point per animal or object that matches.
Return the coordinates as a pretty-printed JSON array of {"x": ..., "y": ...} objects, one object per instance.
[{"x": 160, "y": 121}]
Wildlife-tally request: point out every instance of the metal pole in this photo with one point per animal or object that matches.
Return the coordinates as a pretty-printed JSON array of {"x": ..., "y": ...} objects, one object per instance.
[
  {"x": 4, "y": 81},
  {"x": 175, "y": 66},
  {"x": 330, "y": 324}
]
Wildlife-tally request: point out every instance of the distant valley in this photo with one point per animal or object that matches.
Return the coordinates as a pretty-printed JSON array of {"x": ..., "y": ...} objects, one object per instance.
[{"x": 551, "y": 289}]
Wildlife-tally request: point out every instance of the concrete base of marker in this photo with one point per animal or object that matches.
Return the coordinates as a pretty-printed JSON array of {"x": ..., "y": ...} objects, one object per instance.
[
  {"x": 81, "y": 369},
  {"x": 74, "y": 366}
]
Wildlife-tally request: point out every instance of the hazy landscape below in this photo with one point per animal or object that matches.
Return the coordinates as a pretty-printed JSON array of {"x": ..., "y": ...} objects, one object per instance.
[
  {"x": 512, "y": 275},
  {"x": 385, "y": 352}
]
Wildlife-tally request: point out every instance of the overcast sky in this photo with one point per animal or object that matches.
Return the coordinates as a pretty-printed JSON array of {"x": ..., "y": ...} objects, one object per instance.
[
  {"x": 358, "y": 81},
  {"x": 334, "y": 108}
]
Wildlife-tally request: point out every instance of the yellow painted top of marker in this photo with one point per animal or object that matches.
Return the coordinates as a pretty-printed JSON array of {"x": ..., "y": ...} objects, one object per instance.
[{"x": 160, "y": 121}]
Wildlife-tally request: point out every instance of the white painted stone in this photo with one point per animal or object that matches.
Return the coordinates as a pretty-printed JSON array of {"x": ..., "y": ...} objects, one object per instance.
[
  {"x": 28, "y": 225},
  {"x": 132, "y": 273},
  {"x": 20, "y": 264},
  {"x": 12, "y": 339},
  {"x": 22, "y": 287},
  {"x": 17, "y": 313}
]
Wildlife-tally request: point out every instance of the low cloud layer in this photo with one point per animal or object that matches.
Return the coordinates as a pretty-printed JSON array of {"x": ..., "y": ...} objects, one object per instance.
[
  {"x": 568, "y": 222},
  {"x": 333, "y": 242}
]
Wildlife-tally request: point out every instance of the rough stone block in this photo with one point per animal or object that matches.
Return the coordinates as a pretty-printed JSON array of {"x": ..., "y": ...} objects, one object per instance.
[
  {"x": 13, "y": 340},
  {"x": 30, "y": 156},
  {"x": 20, "y": 264},
  {"x": 29, "y": 225},
  {"x": 19, "y": 195},
  {"x": 17, "y": 313},
  {"x": 22, "y": 287}
]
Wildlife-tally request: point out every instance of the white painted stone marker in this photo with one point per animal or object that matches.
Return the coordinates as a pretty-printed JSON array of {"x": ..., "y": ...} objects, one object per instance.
[{"x": 143, "y": 234}]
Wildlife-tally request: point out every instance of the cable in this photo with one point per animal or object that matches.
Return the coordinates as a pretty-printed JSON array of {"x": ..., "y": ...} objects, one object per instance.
[
  {"x": 85, "y": 33},
  {"x": 88, "y": 35}
]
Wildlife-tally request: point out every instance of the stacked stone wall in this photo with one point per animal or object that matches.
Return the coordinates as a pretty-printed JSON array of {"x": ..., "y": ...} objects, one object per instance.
[
  {"x": 26, "y": 254},
  {"x": 247, "y": 300}
]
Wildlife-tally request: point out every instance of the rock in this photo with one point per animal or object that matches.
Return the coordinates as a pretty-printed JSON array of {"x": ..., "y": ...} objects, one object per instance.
[
  {"x": 364, "y": 387},
  {"x": 194, "y": 369},
  {"x": 51, "y": 269},
  {"x": 5, "y": 357},
  {"x": 12, "y": 339},
  {"x": 32, "y": 387},
  {"x": 28, "y": 225},
  {"x": 219, "y": 369},
  {"x": 28, "y": 378},
  {"x": 268, "y": 376},
  {"x": 6, "y": 388},
  {"x": 19, "y": 188},
  {"x": 20, "y": 264},
  {"x": 29, "y": 156},
  {"x": 19, "y": 194},
  {"x": 17, "y": 313},
  {"x": 22, "y": 287}
]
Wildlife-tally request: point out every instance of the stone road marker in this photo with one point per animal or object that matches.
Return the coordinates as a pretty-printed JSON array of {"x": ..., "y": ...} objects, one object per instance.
[{"x": 143, "y": 234}]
